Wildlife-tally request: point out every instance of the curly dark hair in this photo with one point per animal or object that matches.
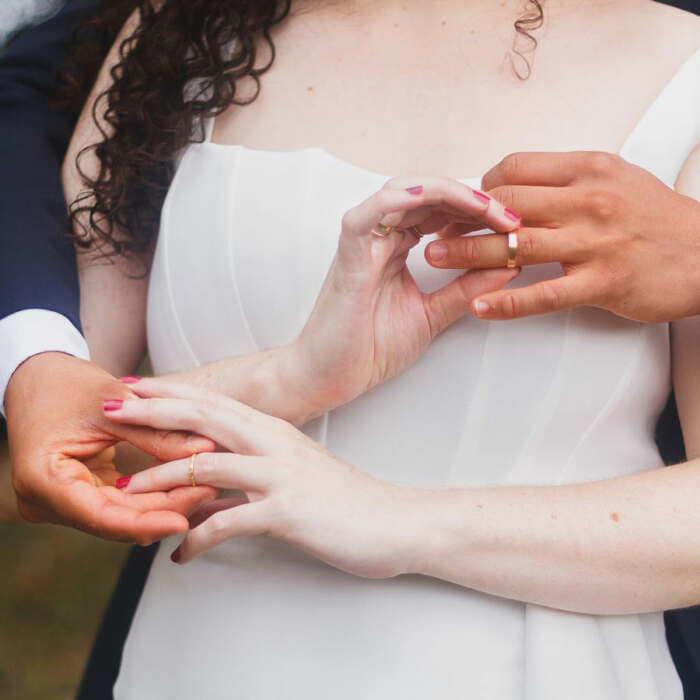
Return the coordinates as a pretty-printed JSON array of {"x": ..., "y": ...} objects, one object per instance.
[{"x": 149, "y": 116}]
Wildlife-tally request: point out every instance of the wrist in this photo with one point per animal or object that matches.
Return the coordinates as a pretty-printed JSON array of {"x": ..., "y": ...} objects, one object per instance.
[
  {"x": 294, "y": 380},
  {"x": 28, "y": 373},
  {"x": 442, "y": 526}
]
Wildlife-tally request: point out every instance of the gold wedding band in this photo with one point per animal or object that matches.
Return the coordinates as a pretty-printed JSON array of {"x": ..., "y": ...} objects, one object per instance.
[
  {"x": 193, "y": 481},
  {"x": 383, "y": 231},
  {"x": 414, "y": 230},
  {"x": 512, "y": 248}
]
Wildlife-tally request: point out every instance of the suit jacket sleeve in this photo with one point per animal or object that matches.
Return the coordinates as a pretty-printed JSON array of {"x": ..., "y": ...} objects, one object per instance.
[{"x": 37, "y": 261}]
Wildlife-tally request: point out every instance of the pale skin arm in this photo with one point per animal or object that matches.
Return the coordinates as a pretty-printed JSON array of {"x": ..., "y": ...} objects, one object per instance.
[
  {"x": 618, "y": 546},
  {"x": 347, "y": 345}
]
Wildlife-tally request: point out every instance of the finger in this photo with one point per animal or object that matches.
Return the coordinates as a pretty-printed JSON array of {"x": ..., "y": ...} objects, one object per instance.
[
  {"x": 541, "y": 298},
  {"x": 535, "y": 246},
  {"x": 164, "y": 444},
  {"x": 459, "y": 229},
  {"x": 537, "y": 206},
  {"x": 450, "y": 303},
  {"x": 183, "y": 499},
  {"x": 166, "y": 388},
  {"x": 219, "y": 469},
  {"x": 541, "y": 169},
  {"x": 245, "y": 520},
  {"x": 230, "y": 423},
  {"x": 392, "y": 202},
  {"x": 89, "y": 508},
  {"x": 208, "y": 509}
]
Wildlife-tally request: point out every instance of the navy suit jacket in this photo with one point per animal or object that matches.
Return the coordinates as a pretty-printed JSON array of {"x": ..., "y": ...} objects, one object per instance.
[{"x": 37, "y": 261}]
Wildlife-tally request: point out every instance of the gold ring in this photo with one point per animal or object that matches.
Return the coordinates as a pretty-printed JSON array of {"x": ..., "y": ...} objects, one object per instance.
[
  {"x": 193, "y": 481},
  {"x": 383, "y": 231},
  {"x": 512, "y": 248},
  {"x": 414, "y": 230}
]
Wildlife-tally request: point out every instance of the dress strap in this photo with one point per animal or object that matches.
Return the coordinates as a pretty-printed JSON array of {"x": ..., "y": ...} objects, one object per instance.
[{"x": 669, "y": 131}]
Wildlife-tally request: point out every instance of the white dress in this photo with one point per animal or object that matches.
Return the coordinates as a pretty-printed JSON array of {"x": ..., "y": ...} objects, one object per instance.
[{"x": 246, "y": 239}]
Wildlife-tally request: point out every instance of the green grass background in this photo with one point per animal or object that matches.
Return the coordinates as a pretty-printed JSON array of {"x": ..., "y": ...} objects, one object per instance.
[{"x": 54, "y": 585}]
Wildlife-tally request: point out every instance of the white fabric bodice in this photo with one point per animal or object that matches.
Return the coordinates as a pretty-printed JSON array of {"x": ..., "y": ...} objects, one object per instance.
[{"x": 246, "y": 239}]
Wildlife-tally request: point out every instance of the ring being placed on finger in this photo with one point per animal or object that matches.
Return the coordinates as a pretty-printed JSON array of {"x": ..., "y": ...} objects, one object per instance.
[
  {"x": 512, "y": 248},
  {"x": 381, "y": 230},
  {"x": 414, "y": 230},
  {"x": 193, "y": 481}
]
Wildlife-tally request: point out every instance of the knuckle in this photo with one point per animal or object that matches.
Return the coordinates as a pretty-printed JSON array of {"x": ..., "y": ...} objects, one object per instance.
[
  {"x": 470, "y": 250},
  {"x": 550, "y": 297},
  {"x": 218, "y": 526},
  {"x": 510, "y": 306},
  {"x": 603, "y": 204},
  {"x": 206, "y": 466},
  {"x": 510, "y": 166},
  {"x": 528, "y": 247},
  {"x": 350, "y": 219},
  {"x": 507, "y": 196},
  {"x": 600, "y": 163}
]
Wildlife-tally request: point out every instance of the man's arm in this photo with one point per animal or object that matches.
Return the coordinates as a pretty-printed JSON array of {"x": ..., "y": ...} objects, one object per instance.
[
  {"x": 59, "y": 441},
  {"x": 39, "y": 304}
]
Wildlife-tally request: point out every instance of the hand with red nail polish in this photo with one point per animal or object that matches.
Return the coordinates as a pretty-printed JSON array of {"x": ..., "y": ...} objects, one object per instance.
[
  {"x": 371, "y": 320},
  {"x": 62, "y": 453},
  {"x": 622, "y": 237}
]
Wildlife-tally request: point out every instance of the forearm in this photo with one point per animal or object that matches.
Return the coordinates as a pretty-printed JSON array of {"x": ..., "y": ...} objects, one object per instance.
[
  {"x": 263, "y": 380},
  {"x": 624, "y": 545}
]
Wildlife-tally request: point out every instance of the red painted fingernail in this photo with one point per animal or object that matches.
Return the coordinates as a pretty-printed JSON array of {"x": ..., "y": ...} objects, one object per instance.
[
  {"x": 483, "y": 198},
  {"x": 176, "y": 555},
  {"x": 112, "y": 404},
  {"x": 416, "y": 189},
  {"x": 511, "y": 214},
  {"x": 130, "y": 380},
  {"x": 122, "y": 482}
]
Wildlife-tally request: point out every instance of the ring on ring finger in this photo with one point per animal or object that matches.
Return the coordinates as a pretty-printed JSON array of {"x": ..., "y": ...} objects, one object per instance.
[
  {"x": 512, "y": 248},
  {"x": 381, "y": 231}
]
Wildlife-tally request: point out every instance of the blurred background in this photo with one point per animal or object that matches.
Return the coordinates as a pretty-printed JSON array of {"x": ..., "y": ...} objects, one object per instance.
[{"x": 54, "y": 582}]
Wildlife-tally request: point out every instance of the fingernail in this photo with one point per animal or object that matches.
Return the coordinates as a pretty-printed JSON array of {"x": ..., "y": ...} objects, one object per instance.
[
  {"x": 438, "y": 251},
  {"x": 416, "y": 189},
  {"x": 130, "y": 380},
  {"x": 112, "y": 404},
  {"x": 483, "y": 198},
  {"x": 175, "y": 556},
  {"x": 511, "y": 214},
  {"x": 122, "y": 482},
  {"x": 480, "y": 307}
]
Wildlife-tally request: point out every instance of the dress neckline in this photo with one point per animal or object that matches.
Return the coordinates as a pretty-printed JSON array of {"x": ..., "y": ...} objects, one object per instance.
[{"x": 646, "y": 115}]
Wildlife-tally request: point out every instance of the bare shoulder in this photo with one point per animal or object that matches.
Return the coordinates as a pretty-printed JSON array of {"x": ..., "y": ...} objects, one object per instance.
[{"x": 671, "y": 32}]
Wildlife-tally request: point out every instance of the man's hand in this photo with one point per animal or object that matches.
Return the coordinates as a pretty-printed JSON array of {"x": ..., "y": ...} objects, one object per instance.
[
  {"x": 61, "y": 449},
  {"x": 626, "y": 242}
]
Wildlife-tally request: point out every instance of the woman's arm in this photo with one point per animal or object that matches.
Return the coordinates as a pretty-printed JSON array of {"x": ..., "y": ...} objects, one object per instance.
[
  {"x": 623, "y": 545},
  {"x": 345, "y": 348}
]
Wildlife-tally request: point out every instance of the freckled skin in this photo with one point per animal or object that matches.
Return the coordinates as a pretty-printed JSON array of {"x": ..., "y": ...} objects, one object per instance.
[{"x": 614, "y": 516}]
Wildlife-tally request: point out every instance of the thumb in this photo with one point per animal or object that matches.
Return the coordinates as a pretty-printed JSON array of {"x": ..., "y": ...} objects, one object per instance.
[{"x": 449, "y": 304}]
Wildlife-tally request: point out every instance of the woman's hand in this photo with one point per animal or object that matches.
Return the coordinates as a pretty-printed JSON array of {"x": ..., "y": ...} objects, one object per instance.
[
  {"x": 370, "y": 320},
  {"x": 296, "y": 491}
]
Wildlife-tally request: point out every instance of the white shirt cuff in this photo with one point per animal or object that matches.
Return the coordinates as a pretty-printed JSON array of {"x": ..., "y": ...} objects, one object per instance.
[{"x": 30, "y": 332}]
